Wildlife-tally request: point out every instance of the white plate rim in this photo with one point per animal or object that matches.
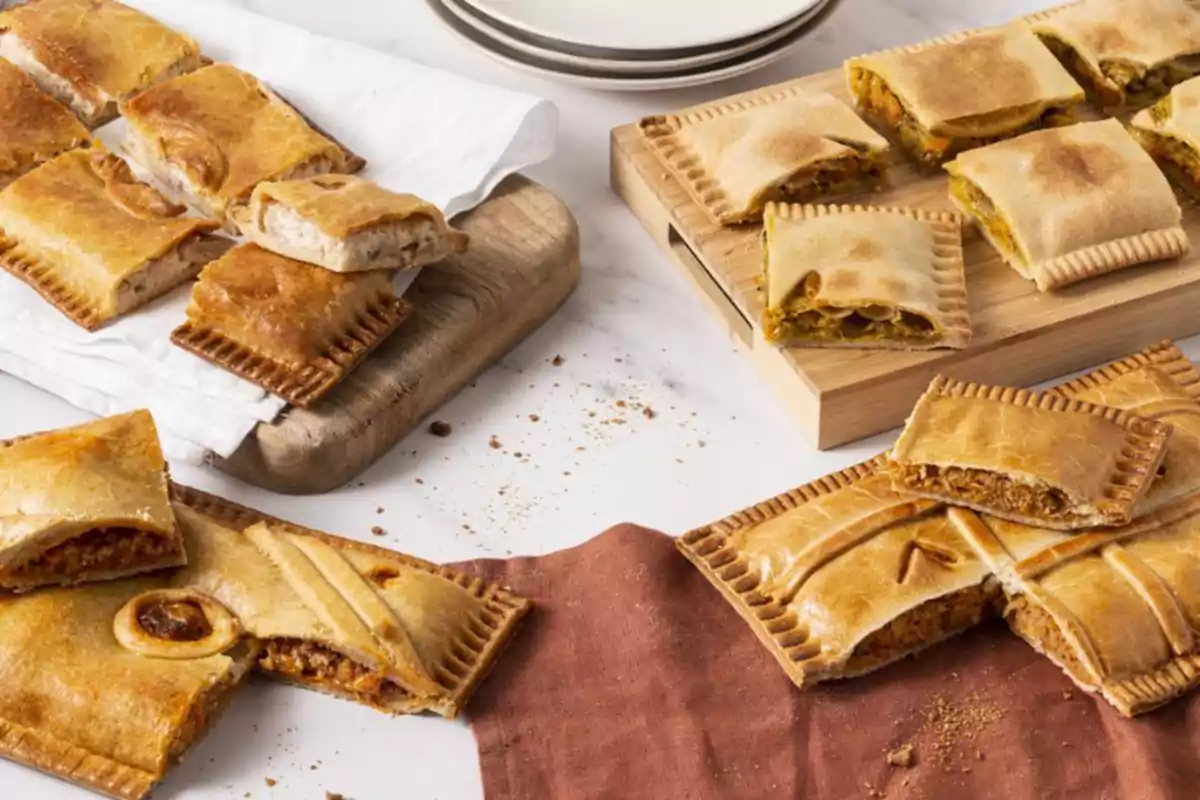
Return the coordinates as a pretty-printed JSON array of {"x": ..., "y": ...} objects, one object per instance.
[
  {"x": 489, "y": 9},
  {"x": 639, "y": 68},
  {"x": 620, "y": 84}
]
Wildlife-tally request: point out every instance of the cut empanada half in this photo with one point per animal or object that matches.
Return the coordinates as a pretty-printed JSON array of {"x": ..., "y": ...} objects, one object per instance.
[
  {"x": 87, "y": 503},
  {"x": 1064, "y": 205},
  {"x": 783, "y": 145},
  {"x": 960, "y": 92},
  {"x": 1170, "y": 132},
  {"x": 93, "y": 54},
  {"x": 1127, "y": 54},
  {"x": 863, "y": 276},
  {"x": 347, "y": 224}
]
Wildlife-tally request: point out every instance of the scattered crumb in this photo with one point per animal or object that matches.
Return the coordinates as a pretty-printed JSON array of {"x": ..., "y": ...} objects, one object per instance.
[
  {"x": 1067, "y": 695},
  {"x": 441, "y": 429},
  {"x": 580, "y": 449},
  {"x": 534, "y": 418},
  {"x": 622, "y": 404},
  {"x": 558, "y": 361},
  {"x": 335, "y": 796},
  {"x": 379, "y": 509},
  {"x": 420, "y": 481},
  {"x": 494, "y": 443},
  {"x": 957, "y": 724},
  {"x": 702, "y": 443},
  {"x": 517, "y": 454},
  {"x": 271, "y": 782},
  {"x": 902, "y": 756},
  {"x": 979, "y": 755},
  {"x": 378, "y": 531},
  {"x": 649, "y": 413}
]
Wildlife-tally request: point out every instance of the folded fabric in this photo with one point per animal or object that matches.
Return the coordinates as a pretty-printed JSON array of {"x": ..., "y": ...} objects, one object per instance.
[
  {"x": 634, "y": 679},
  {"x": 452, "y": 142}
]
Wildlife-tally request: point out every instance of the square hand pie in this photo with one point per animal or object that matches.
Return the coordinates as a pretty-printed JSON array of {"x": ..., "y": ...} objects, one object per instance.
[
  {"x": 34, "y": 127},
  {"x": 213, "y": 135},
  {"x": 292, "y": 328},
  {"x": 843, "y": 576},
  {"x": 78, "y": 703},
  {"x": 370, "y": 625},
  {"x": 1116, "y": 609},
  {"x": 964, "y": 91},
  {"x": 95, "y": 243},
  {"x": 87, "y": 503},
  {"x": 862, "y": 276},
  {"x": 92, "y": 54},
  {"x": 347, "y": 224},
  {"x": 1126, "y": 54},
  {"x": 1170, "y": 132},
  {"x": 1065, "y": 205},
  {"x": 734, "y": 158},
  {"x": 1042, "y": 460}
]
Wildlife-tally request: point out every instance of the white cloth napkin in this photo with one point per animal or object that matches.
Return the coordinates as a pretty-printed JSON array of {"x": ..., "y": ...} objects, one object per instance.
[{"x": 423, "y": 131}]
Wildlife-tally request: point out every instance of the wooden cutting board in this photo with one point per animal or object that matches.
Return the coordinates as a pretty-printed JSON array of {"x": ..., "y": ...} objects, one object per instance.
[
  {"x": 1021, "y": 336},
  {"x": 469, "y": 311}
]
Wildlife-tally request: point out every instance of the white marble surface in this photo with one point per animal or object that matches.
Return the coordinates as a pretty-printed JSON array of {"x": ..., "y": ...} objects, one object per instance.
[{"x": 633, "y": 332}]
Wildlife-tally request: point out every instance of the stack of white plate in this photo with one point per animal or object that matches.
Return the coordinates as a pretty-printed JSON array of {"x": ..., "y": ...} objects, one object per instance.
[{"x": 635, "y": 45}]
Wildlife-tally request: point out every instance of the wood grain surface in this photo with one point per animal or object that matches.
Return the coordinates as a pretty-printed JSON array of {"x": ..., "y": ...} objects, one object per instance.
[
  {"x": 522, "y": 264},
  {"x": 1021, "y": 336}
]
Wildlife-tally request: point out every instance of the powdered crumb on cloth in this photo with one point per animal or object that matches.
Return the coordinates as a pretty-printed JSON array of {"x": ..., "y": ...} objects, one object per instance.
[{"x": 902, "y": 756}]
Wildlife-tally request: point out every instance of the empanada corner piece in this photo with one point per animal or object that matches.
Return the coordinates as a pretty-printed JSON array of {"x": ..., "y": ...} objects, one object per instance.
[
  {"x": 216, "y": 133},
  {"x": 1170, "y": 132},
  {"x": 864, "y": 276},
  {"x": 128, "y": 244},
  {"x": 1126, "y": 54},
  {"x": 87, "y": 503},
  {"x": 964, "y": 91},
  {"x": 292, "y": 328},
  {"x": 1043, "y": 460},
  {"x": 370, "y": 625},
  {"x": 842, "y": 576},
  {"x": 348, "y": 224},
  {"x": 93, "y": 54},
  {"x": 781, "y": 145},
  {"x": 1065, "y": 205},
  {"x": 34, "y": 127}
]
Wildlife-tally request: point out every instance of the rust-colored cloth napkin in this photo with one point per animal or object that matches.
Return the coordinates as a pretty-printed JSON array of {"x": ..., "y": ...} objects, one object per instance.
[{"x": 634, "y": 680}]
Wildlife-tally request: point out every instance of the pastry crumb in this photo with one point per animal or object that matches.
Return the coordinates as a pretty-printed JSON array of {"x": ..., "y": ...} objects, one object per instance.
[
  {"x": 621, "y": 404},
  {"x": 558, "y": 361},
  {"x": 494, "y": 443},
  {"x": 378, "y": 531},
  {"x": 441, "y": 429},
  {"x": 420, "y": 481},
  {"x": 1067, "y": 695},
  {"x": 379, "y": 509},
  {"x": 649, "y": 413},
  {"x": 534, "y": 418},
  {"x": 902, "y": 756},
  {"x": 335, "y": 796},
  {"x": 270, "y": 782}
]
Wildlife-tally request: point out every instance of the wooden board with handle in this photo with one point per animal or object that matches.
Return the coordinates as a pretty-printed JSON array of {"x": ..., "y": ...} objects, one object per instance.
[
  {"x": 1021, "y": 336},
  {"x": 468, "y": 312}
]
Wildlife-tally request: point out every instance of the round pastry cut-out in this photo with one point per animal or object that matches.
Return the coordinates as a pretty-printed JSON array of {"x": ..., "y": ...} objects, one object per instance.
[{"x": 177, "y": 624}]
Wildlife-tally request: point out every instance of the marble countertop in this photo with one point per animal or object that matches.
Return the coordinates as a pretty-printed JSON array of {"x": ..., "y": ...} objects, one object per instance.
[{"x": 577, "y": 452}]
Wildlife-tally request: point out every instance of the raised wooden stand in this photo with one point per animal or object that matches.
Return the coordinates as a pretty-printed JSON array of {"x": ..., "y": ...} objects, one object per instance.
[
  {"x": 1022, "y": 336},
  {"x": 523, "y": 263}
]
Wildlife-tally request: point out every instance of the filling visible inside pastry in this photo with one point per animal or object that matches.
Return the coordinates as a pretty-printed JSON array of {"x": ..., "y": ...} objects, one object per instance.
[
  {"x": 162, "y": 274},
  {"x": 988, "y": 489},
  {"x": 1118, "y": 83},
  {"x": 874, "y": 95},
  {"x": 984, "y": 211},
  {"x": 1032, "y": 623},
  {"x": 315, "y": 665},
  {"x": 103, "y": 550},
  {"x": 925, "y": 625},
  {"x": 799, "y": 318},
  {"x": 836, "y": 176}
]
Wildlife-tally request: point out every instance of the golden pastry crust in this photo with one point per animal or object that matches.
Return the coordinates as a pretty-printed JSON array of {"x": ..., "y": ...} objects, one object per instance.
[
  {"x": 59, "y": 489},
  {"x": 92, "y": 54},
  {"x": 217, "y": 133},
  {"x": 57, "y": 647},
  {"x": 1065, "y": 205},
  {"x": 294, "y": 329},
  {"x": 782, "y": 145},
  {"x": 34, "y": 127},
  {"x": 1037, "y": 459},
  {"x": 964, "y": 91},
  {"x": 1126, "y": 54},
  {"x": 864, "y": 276},
  {"x": 1170, "y": 132},
  {"x": 93, "y": 241},
  {"x": 337, "y": 209},
  {"x": 434, "y": 633},
  {"x": 842, "y": 576}
]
